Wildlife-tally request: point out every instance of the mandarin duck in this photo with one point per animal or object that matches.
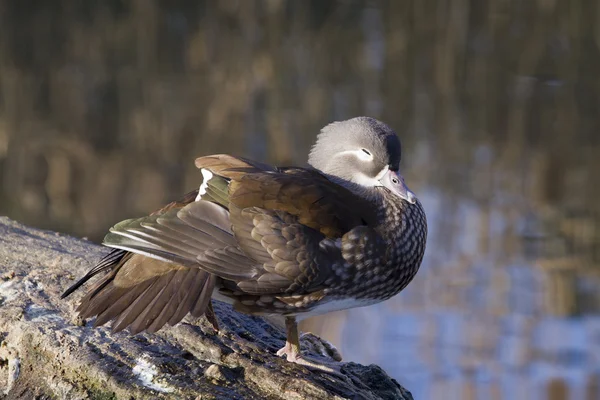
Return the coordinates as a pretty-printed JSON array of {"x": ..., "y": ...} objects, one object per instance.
[{"x": 294, "y": 242}]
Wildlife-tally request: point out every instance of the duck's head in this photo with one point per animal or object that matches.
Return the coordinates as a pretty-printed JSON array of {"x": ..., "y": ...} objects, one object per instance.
[{"x": 362, "y": 153}]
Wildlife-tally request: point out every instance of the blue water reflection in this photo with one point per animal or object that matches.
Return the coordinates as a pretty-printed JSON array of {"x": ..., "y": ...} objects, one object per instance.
[{"x": 469, "y": 327}]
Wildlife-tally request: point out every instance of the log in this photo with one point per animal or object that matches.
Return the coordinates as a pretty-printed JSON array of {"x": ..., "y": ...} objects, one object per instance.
[{"x": 46, "y": 351}]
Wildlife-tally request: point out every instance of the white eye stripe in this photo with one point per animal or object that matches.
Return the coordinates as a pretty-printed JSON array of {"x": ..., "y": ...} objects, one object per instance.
[{"x": 361, "y": 154}]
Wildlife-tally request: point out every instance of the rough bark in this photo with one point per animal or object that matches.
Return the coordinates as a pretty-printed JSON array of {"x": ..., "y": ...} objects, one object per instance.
[{"x": 46, "y": 352}]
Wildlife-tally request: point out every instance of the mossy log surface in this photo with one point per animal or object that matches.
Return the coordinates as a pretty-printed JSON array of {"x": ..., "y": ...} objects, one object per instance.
[{"x": 46, "y": 352}]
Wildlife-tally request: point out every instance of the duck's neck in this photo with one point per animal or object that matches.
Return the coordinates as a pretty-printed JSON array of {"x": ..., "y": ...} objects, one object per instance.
[
  {"x": 367, "y": 194},
  {"x": 394, "y": 218}
]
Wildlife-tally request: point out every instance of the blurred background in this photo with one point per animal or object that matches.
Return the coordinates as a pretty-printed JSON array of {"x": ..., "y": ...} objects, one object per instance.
[{"x": 105, "y": 104}]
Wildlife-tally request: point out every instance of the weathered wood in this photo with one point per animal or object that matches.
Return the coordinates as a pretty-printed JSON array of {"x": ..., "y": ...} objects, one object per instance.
[{"x": 46, "y": 351}]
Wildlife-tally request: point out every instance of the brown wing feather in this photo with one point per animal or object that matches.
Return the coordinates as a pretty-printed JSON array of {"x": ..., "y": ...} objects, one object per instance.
[
  {"x": 116, "y": 258},
  {"x": 279, "y": 218},
  {"x": 295, "y": 261},
  {"x": 142, "y": 292},
  {"x": 231, "y": 167},
  {"x": 307, "y": 194},
  {"x": 285, "y": 223}
]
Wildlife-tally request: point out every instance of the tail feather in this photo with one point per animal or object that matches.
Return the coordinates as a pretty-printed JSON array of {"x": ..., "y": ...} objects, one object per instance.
[
  {"x": 204, "y": 298},
  {"x": 106, "y": 263},
  {"x": 112, "y": 302},
  {"x": 154, "y": 277},
  {"x": 190, "y": 297},
  {"x": 187, "y": 277},
  {"x": 138, "y": 305},
  {"x": 161, "y": 293},
  {"x": 156, "y": 304}
]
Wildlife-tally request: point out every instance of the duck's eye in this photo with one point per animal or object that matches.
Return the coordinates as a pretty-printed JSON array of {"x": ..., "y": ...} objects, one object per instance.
[
  {"x": 364, "y": 155},
  {"x": 361, "y": 154},
  {"x": 395, "y": 180}
]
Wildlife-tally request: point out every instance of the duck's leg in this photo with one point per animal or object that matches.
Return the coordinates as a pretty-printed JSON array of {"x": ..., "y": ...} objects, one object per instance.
[
  {"x": 292, "y": 351},
  {"x": 292, "y": 343},
  {"x": 211, "y": 316}
]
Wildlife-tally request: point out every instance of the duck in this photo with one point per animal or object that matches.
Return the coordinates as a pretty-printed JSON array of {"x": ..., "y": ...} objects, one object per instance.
[{"x": 292, "y": 242}]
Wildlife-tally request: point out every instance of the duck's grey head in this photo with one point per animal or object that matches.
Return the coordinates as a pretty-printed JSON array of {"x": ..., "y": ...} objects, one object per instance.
[{"x": 363, "y": 151}]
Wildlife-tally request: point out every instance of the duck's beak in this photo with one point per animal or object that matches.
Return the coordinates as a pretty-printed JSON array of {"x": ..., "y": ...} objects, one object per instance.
[{"x": 395, "y": 183}]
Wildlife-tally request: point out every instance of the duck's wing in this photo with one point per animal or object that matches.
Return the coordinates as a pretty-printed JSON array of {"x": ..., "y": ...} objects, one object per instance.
[
  {"x": 305, "y": 193},
  {"x": 281, "y": 233},
  {"x": 144, "y": 293},
  {"x": 117, "y": 257}
]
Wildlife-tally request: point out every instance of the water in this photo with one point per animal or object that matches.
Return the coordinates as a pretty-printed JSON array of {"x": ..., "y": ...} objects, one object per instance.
[{"x": 104, "y": 106}]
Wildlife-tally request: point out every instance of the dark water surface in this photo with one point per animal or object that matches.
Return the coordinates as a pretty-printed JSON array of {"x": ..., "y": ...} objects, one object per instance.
[{"x": 105, "y": 104}]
